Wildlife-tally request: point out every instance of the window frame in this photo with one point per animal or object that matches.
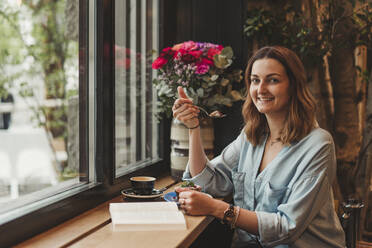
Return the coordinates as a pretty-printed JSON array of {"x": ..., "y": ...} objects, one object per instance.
[
  {"x": 107, "y": 186},
  {"x": 158, "y": 166}
]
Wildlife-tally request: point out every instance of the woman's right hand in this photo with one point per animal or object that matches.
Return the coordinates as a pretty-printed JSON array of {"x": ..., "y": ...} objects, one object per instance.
[{"x": 184, "y": 110}]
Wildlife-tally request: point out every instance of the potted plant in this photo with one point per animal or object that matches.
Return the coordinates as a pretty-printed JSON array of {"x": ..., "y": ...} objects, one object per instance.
[{"x": 203, "y": 70}]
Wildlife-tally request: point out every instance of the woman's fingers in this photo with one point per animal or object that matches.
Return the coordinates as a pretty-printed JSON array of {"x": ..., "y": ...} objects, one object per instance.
[
  {"x": 181, "y": 101},
  {"x": 184, "y": 110},
  {"x": 195, "y": 203},
  {"x": 187, "y": 118}
]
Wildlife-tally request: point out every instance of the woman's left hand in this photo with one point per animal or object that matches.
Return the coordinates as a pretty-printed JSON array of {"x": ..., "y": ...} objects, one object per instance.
[{"x": 195, "y": 203}]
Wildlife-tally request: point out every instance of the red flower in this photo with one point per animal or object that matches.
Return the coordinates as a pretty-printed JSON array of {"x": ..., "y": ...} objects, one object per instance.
[
  {"x": 196, "y": 54},
  {"x": 207, "y": 61},
  {"x": 212, "y": 52},
  {"x": 188, "y": 58},
  {"x": 159, "y": 63},
  {"x": 167, "y": 53}
]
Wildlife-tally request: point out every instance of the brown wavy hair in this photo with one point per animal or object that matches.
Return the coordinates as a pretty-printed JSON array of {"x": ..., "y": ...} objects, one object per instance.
[{"x": 301, "y": 112}]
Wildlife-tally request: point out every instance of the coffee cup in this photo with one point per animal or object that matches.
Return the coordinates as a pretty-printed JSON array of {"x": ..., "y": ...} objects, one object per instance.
[{"x": 143, "y": 185}]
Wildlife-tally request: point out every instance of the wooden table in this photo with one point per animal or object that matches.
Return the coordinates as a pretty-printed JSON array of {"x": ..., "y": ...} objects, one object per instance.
[{"x": 94, "y": 229}]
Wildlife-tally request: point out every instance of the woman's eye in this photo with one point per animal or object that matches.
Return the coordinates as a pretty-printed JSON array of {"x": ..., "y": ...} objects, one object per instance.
[
  {"x": 273, "y": 80},
  {"x": 255, "y": 80}
]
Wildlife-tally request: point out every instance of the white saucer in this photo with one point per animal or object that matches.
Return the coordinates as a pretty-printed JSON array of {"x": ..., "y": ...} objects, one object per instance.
[{"x": 130, "y": 193}]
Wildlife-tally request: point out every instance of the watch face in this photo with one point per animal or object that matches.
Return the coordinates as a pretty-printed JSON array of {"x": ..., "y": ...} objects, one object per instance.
[{"x": 230, "y": 213}]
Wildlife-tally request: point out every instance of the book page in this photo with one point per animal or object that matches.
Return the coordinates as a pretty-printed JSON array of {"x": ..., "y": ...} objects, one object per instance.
[
  {"x": 144, "y": 206},
  {"x": 145, "y": 216}
]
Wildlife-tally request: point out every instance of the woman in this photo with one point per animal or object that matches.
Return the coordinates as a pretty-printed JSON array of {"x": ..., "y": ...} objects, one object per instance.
[{"x": 280, "y": 169}]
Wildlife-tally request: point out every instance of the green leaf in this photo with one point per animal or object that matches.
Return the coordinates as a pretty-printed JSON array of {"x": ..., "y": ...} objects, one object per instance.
[
  {"x": 214, "y": 77},
  {"x": 227, "y": 52},
  {"x": 221, "y": 61},
  {"x": 206, "y": 78},
  {"x": 200, "y": 92},
  {"x": 211, "y": 84}
]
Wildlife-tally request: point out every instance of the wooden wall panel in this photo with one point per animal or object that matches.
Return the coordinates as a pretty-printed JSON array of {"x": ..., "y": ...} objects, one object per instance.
[{"x": 216, "y": 21}]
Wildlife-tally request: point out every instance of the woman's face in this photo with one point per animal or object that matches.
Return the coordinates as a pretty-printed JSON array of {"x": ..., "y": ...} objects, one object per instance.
[{"x": 269, "y": 88}]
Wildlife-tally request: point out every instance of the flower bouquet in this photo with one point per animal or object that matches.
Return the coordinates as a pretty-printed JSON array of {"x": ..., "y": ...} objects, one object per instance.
[{"x": 202, "y": 69}]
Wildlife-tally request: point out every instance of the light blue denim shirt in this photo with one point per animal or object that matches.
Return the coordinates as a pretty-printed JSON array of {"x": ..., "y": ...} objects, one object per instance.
[{"x": 292, "y": 196}]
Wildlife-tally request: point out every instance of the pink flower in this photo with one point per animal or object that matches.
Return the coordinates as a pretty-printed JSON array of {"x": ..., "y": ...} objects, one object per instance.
[
  {"x": 159, "y": 63},
  {"x": 202, "y": 69},
  {"x": 177, "y": 47},
  {"x": 190, "y": 45}
]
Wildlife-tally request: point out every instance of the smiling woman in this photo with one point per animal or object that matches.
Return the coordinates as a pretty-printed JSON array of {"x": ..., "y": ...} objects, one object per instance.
[{"x": 280, "y": 169}]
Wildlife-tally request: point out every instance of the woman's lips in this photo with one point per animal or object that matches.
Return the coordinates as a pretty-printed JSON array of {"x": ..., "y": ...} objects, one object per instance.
[{"x": 265, "y": 99}]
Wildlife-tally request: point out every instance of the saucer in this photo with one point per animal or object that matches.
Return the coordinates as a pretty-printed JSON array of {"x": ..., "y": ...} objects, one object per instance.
[{"x": 130, "y": 193}]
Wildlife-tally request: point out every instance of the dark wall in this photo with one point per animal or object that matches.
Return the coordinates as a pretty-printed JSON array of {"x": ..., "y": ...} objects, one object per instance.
[{"x": 215, "y": 21}]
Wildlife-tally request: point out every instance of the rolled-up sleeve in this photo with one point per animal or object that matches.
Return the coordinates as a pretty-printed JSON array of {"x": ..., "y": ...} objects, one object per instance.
[{"x": 215, "y": 178}]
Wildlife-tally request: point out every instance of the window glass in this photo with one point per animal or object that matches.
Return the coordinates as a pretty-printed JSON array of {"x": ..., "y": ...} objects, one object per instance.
[
  {"x": 39, "y": 100},
  {"x": 136, "y": 128}
]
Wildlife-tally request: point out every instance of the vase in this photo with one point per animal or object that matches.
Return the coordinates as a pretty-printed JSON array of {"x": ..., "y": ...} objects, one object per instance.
[{"x": 180, "y": 144}]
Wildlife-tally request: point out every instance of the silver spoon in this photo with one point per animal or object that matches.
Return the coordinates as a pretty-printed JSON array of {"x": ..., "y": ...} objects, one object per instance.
[{"x": 214, "y": 115}]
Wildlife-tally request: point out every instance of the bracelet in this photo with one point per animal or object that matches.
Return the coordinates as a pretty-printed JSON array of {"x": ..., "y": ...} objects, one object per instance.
[
  {"x": 194, "y": 127},
  {"x": 235, "y": 218}
]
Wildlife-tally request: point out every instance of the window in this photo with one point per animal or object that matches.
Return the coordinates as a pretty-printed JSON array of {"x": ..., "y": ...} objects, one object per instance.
[
  {"x": 104, "y": 110},
  {"x": 39, "y": 119},
  {"x": 136, "y": 128}
]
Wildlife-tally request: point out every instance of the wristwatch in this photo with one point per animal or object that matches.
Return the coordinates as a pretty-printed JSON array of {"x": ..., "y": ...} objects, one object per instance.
[{"x": 228, "y": 215}]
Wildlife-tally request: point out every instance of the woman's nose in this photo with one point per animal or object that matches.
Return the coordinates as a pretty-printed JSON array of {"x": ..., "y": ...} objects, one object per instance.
[{"x": 261, "y": 88}]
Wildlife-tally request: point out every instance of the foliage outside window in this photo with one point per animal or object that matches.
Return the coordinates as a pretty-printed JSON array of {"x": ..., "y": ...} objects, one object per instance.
[{"x": 39, "y": 69}]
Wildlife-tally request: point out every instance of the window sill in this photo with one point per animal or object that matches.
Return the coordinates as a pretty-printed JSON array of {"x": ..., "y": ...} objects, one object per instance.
[
  {"x": 87, "y": 228},
  {"x": 41, "y": 199}
]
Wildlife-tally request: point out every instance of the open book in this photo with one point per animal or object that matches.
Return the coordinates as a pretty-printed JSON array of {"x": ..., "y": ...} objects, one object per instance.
[{"x": 146, "y": 216}]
